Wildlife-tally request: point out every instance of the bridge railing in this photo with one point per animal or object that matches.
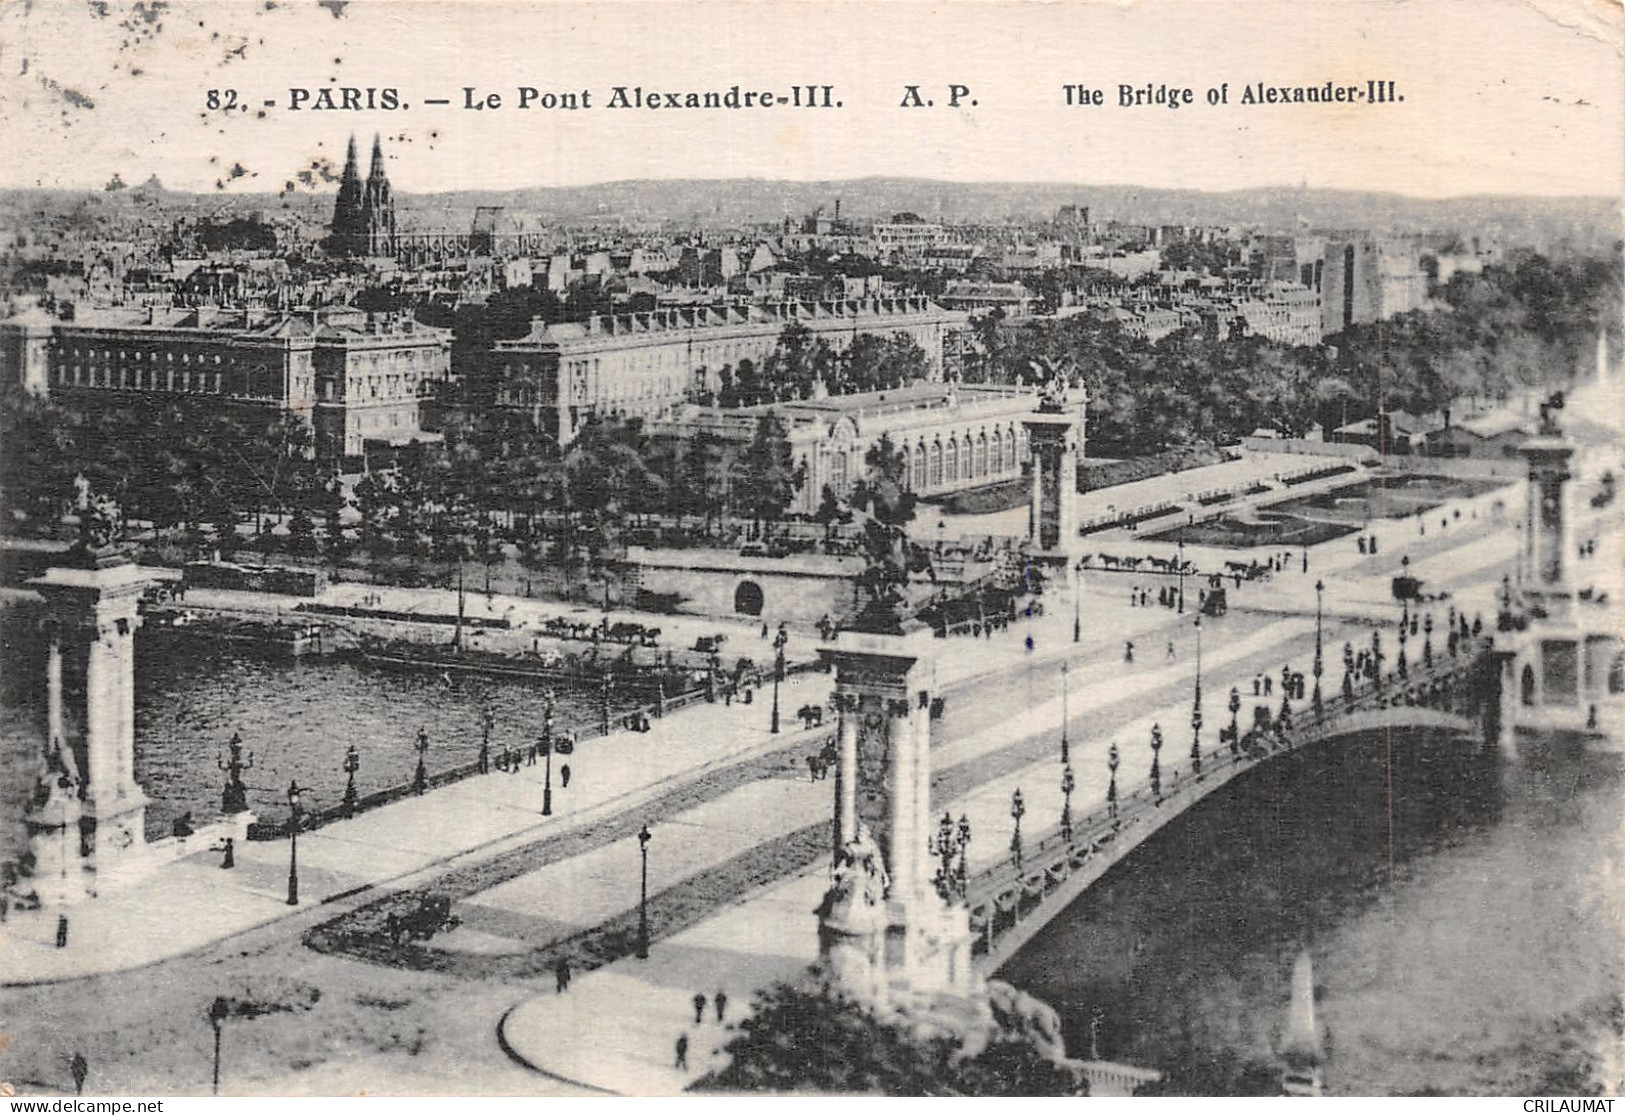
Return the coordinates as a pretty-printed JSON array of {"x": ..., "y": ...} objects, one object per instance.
[{"x": 1001, "y": 893}]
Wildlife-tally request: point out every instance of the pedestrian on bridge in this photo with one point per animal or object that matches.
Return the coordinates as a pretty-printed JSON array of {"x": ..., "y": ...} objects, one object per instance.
[
  {"x": 564, "y": 776},
  {"x": 80, "y": 1069},
  {"x": 722, "y": 1004},
  {"x": 1258, "y": 685},
  {"x": 682, "y": 1052},
  {"x": 1128, "y": 652},
  {"x": 1269, "y": 685},
  {"x": 1170, "y": 652},
  {"x": 699, "y": 1007}
]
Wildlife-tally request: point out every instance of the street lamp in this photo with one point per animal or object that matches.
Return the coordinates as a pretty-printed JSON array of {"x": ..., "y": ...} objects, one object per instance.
[
  {"x": 1018, "y": 809},
  {"x": 1427, "y": 639},
  {"x": 778, "y": 672},
  {"x": 547, "y": 753},
  {"x": 218, "y": 1010},
  {"x": 1401, "y": 667},
  {"x": 1320, "y": 587},
  {"x": 1112, "y": 759},
  {"x": 1181, "y": 576},
  {"x": 235, "y": 797},
  {"x": 962, "y": 872},
  {"x": 1066, "y": 754},
  {"x": 1235, "y": 726},
  {"x": 1196, "y": 705},
  {"x": 603, "y": 710},
  {"x": 943, "y": 848},
  {"x": 420, "y": 780},
  {"x": 643, "y": 895},
  {"x": 295, "y": 814},
  {"x": 352, "y": 763},
  {"x": 1156, "y": 765},
  {"x": 1068, "y": 784}
]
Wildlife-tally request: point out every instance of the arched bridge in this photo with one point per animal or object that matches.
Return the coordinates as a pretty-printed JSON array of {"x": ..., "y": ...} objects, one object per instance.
[{"x": 1010, "y": 902}]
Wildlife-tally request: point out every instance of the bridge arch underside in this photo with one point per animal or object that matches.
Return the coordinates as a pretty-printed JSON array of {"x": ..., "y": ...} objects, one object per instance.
[{"x": 1008, "y": 909}]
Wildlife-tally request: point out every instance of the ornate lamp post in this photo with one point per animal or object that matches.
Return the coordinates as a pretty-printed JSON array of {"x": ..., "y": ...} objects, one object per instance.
[
  {"x": 1401, "y": 667},
  {"x": 778, "y": 672},
  {"x": 295, "y": 814},
  {"x": 713, "y": 666},
  {"x": 962, "y": 870},
  {"x": 488, "y": 721},
  {"x": 603, "y": 708},
  {"x": 943, "y": 848},
  {"x": 420, "y": 779},
  {"x": 1018, "y": 809},
  {"x": 1234, "y": 706},
  {"x": 1112, "y": 759},
  {"x": 1376, "y": 658},
  {"x": 235, "y": 797},
  {"x": 1196, "y": 705},
  {"x": 1068, "y": 784},
  {"x": 1066, "y": 754},
  {"x": 1156, "y": 764},
  {"x": 547, "y": 753},
  {"x": 352, "y": 763},
  {"x": 643, "y": 895},
  {"x": 1320, "y": 587},
  {"x": 218, "y": 1010},
  {"x": 1427, "y": 639}
]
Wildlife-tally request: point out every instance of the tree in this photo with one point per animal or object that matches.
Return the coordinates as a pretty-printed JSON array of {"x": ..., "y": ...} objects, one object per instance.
[
  {"x": 768, "y": 473},
  {"x": 876, "y": 363},
  {"x": 797, "y": 1040},
  {"x": 792, "y": 370},
  {"x": 707, "y": 477}
]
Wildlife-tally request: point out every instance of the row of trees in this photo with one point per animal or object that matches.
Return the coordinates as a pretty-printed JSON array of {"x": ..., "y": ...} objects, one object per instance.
[
  {"x": 163, "y": 463},
  {"x": 1531, "y": 322},
  {"x": 801, "y": 363}
]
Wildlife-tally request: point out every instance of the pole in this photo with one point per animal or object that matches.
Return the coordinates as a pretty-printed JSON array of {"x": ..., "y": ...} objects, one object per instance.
[
  {"x": 1181, "y": 576},
  {"x": 1066, "y": 757},
  {"x": 1320, "y": 587},
  {"x": 547, "y": 751},
  {"x": 216, "y": 1058},
  {"x": 293, "y": 843},
  {"x": 643, "y": 895},
  {"x": 1077, "y": 614}
]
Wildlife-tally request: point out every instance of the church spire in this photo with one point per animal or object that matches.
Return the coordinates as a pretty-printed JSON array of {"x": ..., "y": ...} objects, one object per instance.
[
  {"x": 347, "y": 217},
  {"x": 377, "y": 207}
]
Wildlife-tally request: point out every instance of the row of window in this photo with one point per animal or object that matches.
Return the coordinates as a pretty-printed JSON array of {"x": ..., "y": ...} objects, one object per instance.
[{"x": 972, "y": 459}]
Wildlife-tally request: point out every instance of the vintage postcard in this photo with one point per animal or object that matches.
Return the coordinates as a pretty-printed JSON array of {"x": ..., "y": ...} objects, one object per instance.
[{"x": 838, "y": 548}]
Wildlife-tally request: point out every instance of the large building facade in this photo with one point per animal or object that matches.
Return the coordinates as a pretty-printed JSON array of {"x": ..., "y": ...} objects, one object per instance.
[
  {"x": 952, "y": 437},
  {"x": 355, "y": 377},
  {"x": 643, "y": 365},
  {"x": 1366, "y": 280}
]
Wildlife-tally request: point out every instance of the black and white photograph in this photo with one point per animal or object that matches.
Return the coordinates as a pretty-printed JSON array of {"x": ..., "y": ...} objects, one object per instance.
[{"x": 888, "y": 549}]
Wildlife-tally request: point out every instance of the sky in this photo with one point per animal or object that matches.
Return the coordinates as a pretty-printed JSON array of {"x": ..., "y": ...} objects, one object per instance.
[{"x": 1499, "y": 96}]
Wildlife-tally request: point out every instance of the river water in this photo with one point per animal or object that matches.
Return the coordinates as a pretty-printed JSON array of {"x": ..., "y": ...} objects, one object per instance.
[
  {"x": 296, "y": 719},
  {"x": 1463, "y": 916}
]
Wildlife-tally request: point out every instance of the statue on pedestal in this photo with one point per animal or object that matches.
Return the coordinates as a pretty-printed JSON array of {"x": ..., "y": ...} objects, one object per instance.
[
  {"x": 858, "y": 885},
  {"x": 101, "y": 528}
]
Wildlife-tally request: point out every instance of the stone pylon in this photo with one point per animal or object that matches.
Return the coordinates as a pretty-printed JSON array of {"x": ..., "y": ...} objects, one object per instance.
[
  {"x": 1055, "y": 437},
  {"x": 887, "y": 937},
  {"x": 90, "y": 622}
]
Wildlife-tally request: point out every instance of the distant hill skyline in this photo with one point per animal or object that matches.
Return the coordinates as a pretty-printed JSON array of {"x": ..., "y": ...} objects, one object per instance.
[{"x": 1592, "y": 222}]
